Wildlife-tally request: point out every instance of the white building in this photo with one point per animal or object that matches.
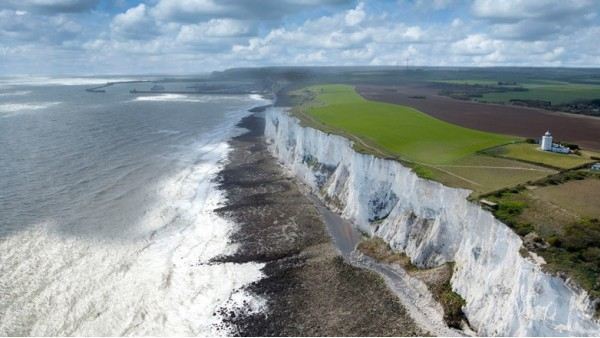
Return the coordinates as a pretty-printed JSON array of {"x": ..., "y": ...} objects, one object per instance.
[
  {"x": 546, "y": 141},
  {"x": 596, "y": 166},
  {"x": 548, "y": 145},
  {"x": 557, "y": 148}
]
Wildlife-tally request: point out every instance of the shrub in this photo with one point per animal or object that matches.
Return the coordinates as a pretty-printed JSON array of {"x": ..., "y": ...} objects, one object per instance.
[
  {"x": 581, "y": 235},
  {"x": 423, "y": 172},
  {"x": 592, "y": 255},
  {"x": 523, "y": 229},
  {"x": 511, "y": 208},
  {"x": 554, "y": 181},
  {"x": 452, "y": 303},
  {"x": 507, "y": 211},
  {"x": 571, "y": 146},
  {"x": 555, "y": 241}
]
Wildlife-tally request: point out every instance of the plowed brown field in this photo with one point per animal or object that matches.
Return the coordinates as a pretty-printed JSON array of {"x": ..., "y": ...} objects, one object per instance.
[{"x": 504, "y": 119}]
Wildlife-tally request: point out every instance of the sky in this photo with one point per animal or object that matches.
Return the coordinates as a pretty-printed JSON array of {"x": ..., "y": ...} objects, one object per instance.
[{"x": 85, "y": 37}]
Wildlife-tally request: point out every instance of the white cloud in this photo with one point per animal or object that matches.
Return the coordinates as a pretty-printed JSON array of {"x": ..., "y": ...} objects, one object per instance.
[
  {"x": 51, "y": 6},
  {"x": 365, "y": 54},
  {"x": 213, "y": 28},
  {"x": 312, "y": 58},
  {"x": 201, "y": 10},
  {"x": 534, "y": 19},
  {"x": 515, "y": 10},
  {"x": 26, "y": 27},
  {"x": 195, "y": 35},
  {"x": 476, "y": 45},
  {"x": 355, "y": 16},
  {"x": 135, "y": 24},
  {"x": 187, "y": 9},
  {"x": 554, "y": 54}
]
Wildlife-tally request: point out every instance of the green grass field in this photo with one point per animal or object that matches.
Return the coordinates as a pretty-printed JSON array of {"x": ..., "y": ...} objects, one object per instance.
[
  {"x": 556, "y": 93},
  {"x": 434, "y": 149},
  {"x": 531, "y": 153},
  {"x": 493, "y": 173},
  {"x": 532, "y": 195},
  {"x": 471, "y": 82},
  {"x": 399, "y": 130}
]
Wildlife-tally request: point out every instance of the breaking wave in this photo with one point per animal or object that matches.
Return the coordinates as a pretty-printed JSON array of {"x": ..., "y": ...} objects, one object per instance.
[
  {"x": 161, "y": 284},
  {"x": 159, "y": 281},
  {"x": 173, "y": 98},
  {"x": 11, "y": 108},
  {"x": 16, "y": 93}
]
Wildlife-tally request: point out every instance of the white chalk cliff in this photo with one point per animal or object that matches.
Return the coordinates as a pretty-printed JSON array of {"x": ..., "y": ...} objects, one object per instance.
[{"x": 505, "y": 293}]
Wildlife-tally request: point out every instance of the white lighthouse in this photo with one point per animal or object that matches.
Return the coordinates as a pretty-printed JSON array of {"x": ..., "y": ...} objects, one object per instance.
[{"x": 546, "y": 141}]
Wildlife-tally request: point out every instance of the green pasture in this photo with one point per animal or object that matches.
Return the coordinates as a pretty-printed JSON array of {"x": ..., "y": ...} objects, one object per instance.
[
  {"x": 487, "y": 173},
  {"x": 471, "y": 82},
  {"x": 557, "y": 93},
  {"x": 398, "y": 130},
  {"x": 531, "y": 153}
]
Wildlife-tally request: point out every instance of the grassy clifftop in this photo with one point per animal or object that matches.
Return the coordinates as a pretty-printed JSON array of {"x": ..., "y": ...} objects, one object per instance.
[
  {"x": 398, "y": 130},
  {"x": 546, "y": 199},
  {"x": 435, "y": 149}
]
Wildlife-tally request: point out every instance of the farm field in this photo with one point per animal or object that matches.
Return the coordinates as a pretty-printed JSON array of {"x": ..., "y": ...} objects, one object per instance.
[
  {"x": 554, "y": 93},
  {"x": 539, "y": 195},
  {"x": 558, "y": 219},
  {"x": 435, "y": 149},
  {"x": 486, "y": 173},
  {"x": 578, "y": 197},
  {"x": 531, "y": 153},
  {"x": 400, "y": 130},
  {"x": 503, "y": 119},
  {"x": 471, "y": 82},
  {"x": 542, "y": 196}
]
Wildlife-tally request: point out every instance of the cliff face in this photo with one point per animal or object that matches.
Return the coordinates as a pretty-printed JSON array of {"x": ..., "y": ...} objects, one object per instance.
[{"x": 505, "y": 293}]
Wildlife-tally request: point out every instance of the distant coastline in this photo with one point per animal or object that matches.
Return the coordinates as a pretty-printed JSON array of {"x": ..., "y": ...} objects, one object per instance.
[{"x": 100, "y": 89}]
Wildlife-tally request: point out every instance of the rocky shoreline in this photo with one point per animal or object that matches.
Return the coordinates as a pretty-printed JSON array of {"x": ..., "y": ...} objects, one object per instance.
[{"x": 309, "y": 288}]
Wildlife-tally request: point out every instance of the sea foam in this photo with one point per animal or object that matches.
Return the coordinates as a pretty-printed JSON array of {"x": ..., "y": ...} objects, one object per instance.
[
  {"x": 9, "y": 109},
  {"x": 160, "y": 282},
  {"x": 15, "y": 93},
  {"x": 171, "y": 98}
]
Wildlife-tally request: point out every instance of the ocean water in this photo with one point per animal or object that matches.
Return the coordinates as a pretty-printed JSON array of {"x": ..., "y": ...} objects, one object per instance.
[{"x": 106, "y": 210}]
